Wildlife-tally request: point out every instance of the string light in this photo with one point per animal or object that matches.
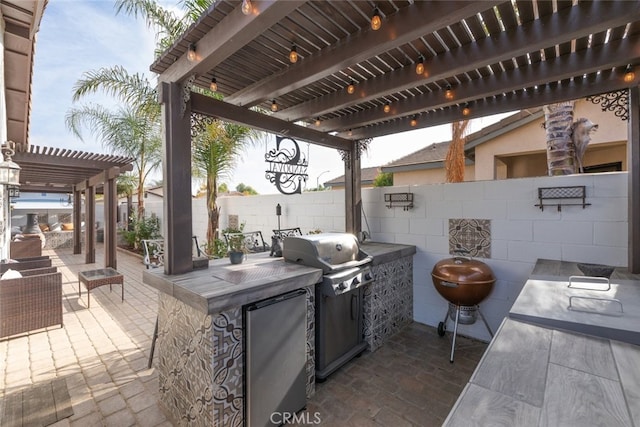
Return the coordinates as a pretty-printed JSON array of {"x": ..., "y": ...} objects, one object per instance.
[
  {"x": 293, "y": 54},
  {"x": 350, "y": 132},
  {"x": 214, "y": 85},
  {"x": 387, "y": 107},
  {"x": 420, "y": 65},
  {"x": 376, "y": 21},
  {"x": 247, "y": 7},
  {"x": 351, "y": 88},
  {"x": 414, "y": 121},
  {"x": 192, "y": 56},
  {"x": 318, "y": 121},
  {"x": 274, "y": 106},
  {"x": 629, "y": 75},
  {"x": 448, "y": 94},
  {"x": 466, "y": 111}
]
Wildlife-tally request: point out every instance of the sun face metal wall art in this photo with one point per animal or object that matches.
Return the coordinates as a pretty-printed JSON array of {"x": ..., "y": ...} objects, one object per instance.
[{"x": 287, "y": 166}]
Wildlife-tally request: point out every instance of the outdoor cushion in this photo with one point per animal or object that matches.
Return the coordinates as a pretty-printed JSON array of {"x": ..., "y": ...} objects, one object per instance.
[
  {"x": 67, "y": 226},
  {"x": 11, "y": 274}
]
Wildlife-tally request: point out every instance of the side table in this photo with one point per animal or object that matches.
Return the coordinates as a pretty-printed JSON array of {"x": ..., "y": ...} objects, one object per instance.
[{"x": 94, "y": 278}]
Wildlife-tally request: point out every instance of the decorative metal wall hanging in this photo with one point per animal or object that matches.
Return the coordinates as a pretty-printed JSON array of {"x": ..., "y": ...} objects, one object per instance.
[
  {"x": 617, "y": 101},
  {"x": 287, "y": 166},
  {"x": 186, "y": 93}
]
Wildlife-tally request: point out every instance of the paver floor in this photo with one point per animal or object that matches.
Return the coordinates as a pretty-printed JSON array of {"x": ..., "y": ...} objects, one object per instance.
[{"x": 102, "y": 353}]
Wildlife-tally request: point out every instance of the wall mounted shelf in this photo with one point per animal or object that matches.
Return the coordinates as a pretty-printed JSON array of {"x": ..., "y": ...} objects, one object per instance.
[
  {"x": 404, "y": 200},
  {"x": 563, "y": 196}
]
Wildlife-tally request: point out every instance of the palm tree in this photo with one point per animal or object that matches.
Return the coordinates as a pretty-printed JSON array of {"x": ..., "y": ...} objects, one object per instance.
[
  {"x": 454, "y": 161},
  {"x": 132, "y": 130},
  {"x": 215, "y": 151},
  {"x": 560, "y": 148}
]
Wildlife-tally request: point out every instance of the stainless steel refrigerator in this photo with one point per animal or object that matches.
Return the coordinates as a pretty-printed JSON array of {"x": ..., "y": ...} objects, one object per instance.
[{"x": 275, "y": 358}]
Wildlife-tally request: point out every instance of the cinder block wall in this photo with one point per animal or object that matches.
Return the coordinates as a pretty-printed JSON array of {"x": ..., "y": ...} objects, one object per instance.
[{"x": 520, "y": 232}]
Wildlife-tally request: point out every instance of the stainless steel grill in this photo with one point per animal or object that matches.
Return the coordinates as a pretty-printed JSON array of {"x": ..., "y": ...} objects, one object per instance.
[{"x": 339, "y": 296}]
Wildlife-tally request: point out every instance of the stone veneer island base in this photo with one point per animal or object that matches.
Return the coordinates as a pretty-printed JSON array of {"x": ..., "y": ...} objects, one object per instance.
[{"x": 200, "y": 347}]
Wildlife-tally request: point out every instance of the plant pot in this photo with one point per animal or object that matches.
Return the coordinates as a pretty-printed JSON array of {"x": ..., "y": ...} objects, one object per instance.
[{"x": 236, "y": 257}]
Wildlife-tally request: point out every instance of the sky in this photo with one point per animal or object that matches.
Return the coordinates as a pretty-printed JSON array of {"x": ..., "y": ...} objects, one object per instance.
[{"x": 77, "y": 36}]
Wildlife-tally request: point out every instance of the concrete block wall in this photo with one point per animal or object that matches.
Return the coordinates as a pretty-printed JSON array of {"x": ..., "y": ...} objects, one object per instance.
[{"x": 520, "y": 232}]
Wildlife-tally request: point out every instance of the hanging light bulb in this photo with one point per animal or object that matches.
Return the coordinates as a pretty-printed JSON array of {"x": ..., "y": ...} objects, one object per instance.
[
  {"x": 414, "y": 121},
  {"x": 318, "y": 121},
  {"x": 192, "y": 55},
  {"x": 246, "y": 7},
  {"x": 376, "y": 21},
  {"x": 214, "y": 85},
  {"x": 293, "y": 54},
  {"x": 386, "y": 108},
  {"x": 466, "y": 111},
  {"x": 420, "y": 65},
  {"x": 350, "y": 132},
  {"x": 274, "y": 106},
  {"x": 351, "y": 88},
  {"x": 448, "y": 94},
  {"x": 629, "y": 75}
]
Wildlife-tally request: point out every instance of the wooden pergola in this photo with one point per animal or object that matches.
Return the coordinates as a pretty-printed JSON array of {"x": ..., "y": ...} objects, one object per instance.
[
  {"x": 55, "y": 170},
  {"x": 479, "y": 57}
]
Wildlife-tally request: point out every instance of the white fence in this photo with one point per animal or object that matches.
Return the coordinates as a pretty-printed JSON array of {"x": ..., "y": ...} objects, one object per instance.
[{"x": 520, "y": 232}]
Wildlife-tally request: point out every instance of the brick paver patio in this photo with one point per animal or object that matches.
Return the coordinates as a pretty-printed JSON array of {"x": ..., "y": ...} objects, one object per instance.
[{"x": 102, "y": 353}]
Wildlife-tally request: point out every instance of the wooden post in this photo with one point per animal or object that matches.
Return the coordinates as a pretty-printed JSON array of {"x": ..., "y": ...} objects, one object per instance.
[
  {"x": 110, "y": 218},
  {"x": 177, "y": 227},
  {"x": 89, "y": 221},
  {"x": 352, "y": 191},
  {"x": 633, "y": 189},
  {"x": 77, "y": 221}
]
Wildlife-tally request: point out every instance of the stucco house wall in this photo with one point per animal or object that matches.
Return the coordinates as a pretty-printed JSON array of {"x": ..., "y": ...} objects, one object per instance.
[{"x": 530, "y": 139}]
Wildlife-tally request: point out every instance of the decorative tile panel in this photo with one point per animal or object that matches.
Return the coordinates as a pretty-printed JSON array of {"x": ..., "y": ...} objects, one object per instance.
[
  {"x": 201, "y": 362},
  {"x": 185, "y": 362},
  {"x": 473, "y": 236},
  {"x": 388, "y": 301}
]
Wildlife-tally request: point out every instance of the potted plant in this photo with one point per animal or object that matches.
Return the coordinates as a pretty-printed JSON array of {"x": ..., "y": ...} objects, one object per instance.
[{"x": 237, "y": 248}]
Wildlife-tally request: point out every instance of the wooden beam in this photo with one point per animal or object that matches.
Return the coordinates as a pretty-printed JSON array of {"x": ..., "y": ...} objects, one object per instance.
[
  {"x": 407, "y": 25},
  {"x": 620, "y": 52},
  {"x": 229, "y": 36},
  {"x": 77, "y": 221},
  {"x": 606, "y": 81},
  {"x": 633, "y": 186},
  {"x": 212, "y": 107},
  {"x": 110, "y": 202},
  {"x": 574, "y": 22}
]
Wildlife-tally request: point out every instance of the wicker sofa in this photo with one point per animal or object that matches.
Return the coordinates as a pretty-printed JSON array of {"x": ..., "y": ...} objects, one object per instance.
[
  {"x": 31, "y": 302},
  {"x": 26, "y": 263}
]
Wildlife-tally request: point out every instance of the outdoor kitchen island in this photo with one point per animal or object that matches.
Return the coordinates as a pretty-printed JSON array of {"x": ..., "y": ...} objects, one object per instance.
[{"x": 200, "y": 347}]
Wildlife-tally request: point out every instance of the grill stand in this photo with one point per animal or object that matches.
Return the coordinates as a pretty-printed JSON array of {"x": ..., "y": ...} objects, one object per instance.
[{"x": 442, "y": 326}]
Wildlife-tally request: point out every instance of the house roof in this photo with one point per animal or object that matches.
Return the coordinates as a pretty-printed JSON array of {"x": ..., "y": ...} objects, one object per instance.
[
  {"x": 497, "y": 56},
  {"x": 368, "y": 175},
  {"x": 433, "y": 155},
  {"x": 22, "y": 22}
]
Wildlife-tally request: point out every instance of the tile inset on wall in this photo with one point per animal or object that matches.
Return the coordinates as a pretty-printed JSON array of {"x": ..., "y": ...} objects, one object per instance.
[{"x": 471, "y": 236}]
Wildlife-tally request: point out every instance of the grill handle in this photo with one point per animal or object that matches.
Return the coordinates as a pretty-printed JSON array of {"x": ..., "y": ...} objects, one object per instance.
[{"x": 448, "y": 284}]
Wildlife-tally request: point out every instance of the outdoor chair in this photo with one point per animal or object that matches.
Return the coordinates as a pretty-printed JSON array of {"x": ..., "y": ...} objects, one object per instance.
[
  {"x": 31, "y": 302},
  {"x": 277, "y": 240},
  {"x": 26, "y": 264},
  {"x": 286, "y": 232},
  {"x": 253, "y": 240},
  {"x": 153, "y": 253},
  {"x": 25, "y": 248}
]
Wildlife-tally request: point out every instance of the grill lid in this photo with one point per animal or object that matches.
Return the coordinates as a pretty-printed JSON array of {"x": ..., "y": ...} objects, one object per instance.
[
  {"x": 327, "y": 251},
  {"x": 463, "y": 270}
]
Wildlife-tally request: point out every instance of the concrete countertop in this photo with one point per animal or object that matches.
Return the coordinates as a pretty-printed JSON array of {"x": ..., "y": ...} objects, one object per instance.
[
  {"x": 223, "y": 286},
  {"x": 545, "y": 365}
]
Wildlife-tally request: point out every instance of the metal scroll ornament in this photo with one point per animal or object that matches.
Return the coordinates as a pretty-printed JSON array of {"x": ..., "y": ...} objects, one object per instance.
[
  {"x": 287, "y": 166},
  {"x": 617, "y": 101}
]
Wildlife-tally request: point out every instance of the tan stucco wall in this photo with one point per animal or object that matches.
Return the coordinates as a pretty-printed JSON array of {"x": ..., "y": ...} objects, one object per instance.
[{"x": 531, "y": 139}]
